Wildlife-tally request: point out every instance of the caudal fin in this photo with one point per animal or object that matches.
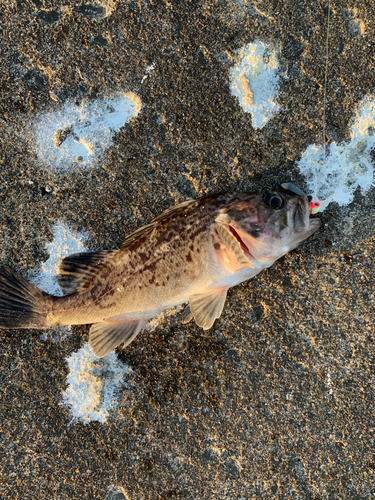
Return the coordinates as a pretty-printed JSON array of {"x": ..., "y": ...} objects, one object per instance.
[{"x": 22, "y": 305}]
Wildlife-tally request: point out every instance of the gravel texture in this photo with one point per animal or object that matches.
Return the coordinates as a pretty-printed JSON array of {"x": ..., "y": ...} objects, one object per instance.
[{"x": 277, "y": 399}]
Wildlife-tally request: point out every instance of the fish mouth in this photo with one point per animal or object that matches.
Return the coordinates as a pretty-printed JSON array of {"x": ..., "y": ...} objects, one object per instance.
[{"x": 299, "y": 218}]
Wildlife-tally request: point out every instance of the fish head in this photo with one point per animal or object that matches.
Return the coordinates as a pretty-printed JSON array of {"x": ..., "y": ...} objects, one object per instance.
[{"x": 268, "y": 225}]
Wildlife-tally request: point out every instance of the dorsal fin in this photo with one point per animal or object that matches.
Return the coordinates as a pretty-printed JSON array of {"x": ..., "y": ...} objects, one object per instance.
[
  {"x": 149, "y": 227},
  {"x": 137, "y": 234},
  {"x": 77, "y": 270},
  {"x": 176, "y": 208}
]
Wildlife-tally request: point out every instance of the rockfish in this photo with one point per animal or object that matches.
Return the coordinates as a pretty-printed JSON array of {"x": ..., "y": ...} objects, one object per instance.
[{"x": 192, "y": 252}]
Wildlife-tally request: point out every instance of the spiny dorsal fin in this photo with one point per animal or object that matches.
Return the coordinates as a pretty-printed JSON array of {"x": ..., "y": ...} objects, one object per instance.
[
  {"x": 142, "y": 231},
  {"x": 76, "y": 271},
  {"x": 106, "y": 336},
  {"x": 232, "y": 244},
  {"x": 176, "y": 208},
  {"x": 137, "y": 234},
  {"x": 208, "y": 306}
]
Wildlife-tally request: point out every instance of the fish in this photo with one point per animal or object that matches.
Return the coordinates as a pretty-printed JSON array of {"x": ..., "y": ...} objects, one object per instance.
[{"x": 193, "y": 252}]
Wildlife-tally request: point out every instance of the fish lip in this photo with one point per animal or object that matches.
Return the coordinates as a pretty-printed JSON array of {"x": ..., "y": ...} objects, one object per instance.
[{"x": 299, "y": 215}]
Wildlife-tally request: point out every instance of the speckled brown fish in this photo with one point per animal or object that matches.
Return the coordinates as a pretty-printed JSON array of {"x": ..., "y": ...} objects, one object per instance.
[{"x": 193, "y": 252}]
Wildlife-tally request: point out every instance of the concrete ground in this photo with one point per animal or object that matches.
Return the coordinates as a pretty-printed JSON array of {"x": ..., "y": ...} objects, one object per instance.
[{"x": 276, "y": 401}]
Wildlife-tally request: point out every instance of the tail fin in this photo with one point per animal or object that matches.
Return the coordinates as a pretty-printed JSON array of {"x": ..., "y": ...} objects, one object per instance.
[{"x": 22, "y": 305}]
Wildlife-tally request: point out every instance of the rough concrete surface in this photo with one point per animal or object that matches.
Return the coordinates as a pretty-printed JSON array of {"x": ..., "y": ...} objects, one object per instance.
[{"x": 277, "y": 399}]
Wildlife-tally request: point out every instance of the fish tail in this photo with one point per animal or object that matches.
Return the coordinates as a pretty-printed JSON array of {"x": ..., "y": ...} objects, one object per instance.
[{"x": 22, "y": 304}]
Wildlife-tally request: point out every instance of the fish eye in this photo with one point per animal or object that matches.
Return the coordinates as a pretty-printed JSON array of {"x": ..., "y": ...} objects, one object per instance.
[{"x": 273, "y": 200}]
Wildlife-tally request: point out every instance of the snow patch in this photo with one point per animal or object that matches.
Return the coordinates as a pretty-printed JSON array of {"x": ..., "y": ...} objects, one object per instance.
[
  {"x": 65, "y": 242},
  {"x": 346, "y": 166},
  {"x": 93, "y": 384},
  {"x": 254, "y": 80},
  {"x": 79, "y": 133}
]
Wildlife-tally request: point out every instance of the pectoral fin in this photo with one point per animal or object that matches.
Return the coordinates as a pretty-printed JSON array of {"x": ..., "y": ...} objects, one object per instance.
[
  {"x": 208, "y": 306},
  {"x": 105, "y": 336}
]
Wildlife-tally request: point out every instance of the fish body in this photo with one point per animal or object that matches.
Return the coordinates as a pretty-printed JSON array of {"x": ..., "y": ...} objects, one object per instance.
[{"x": 192, "y": 252}]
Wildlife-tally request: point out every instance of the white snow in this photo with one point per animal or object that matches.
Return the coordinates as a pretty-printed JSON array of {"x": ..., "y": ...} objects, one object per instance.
[
  {"x": 254, "y": 80},
  {"x": 346, "y": 166},
  {"x": 65, "y": 242},
  {"x": 79, "y": 133},
  {"x": 93, "y": 384}
]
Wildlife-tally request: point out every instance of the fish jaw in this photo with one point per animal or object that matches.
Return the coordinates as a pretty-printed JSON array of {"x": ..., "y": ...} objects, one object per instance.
[
  {"x": 274, "y": 248},
  {"x": 314, "y": 225}
]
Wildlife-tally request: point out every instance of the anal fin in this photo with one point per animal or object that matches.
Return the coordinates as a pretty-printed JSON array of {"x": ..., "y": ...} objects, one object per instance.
[
  {"x": 107, "y": 335},
  {"x": 208, "y": 306}
]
